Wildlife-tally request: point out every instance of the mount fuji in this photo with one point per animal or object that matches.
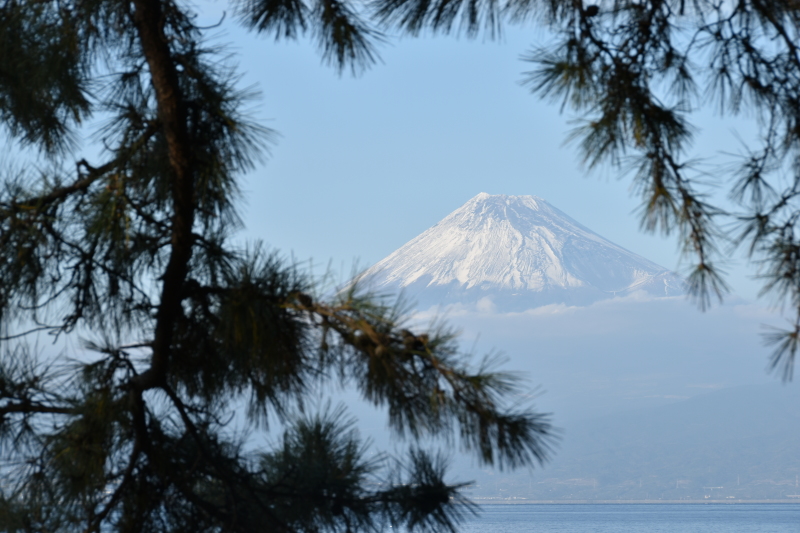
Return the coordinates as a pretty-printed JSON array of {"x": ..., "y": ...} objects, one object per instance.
[{"x": 511, "y": 253}]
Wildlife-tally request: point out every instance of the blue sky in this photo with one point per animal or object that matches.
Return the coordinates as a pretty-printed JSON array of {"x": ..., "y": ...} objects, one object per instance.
[{"x": 364, "y": 164}]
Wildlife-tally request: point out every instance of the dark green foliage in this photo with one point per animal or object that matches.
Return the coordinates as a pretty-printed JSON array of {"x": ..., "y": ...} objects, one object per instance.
[
  {"x": 634, "y": 71},
  {"x": 344, "y": 37},
  {"x": 137, "y": 432},
  {"x": 321, "y": 461},
  {"x": 43, "y": 89}
]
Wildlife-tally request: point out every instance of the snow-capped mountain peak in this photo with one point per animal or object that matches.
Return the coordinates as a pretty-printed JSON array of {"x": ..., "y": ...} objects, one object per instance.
[{"x": 519, "y": 251}]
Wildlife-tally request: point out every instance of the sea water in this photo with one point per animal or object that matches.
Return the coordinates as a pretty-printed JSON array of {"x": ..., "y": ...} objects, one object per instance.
[{"x": 639, "y": 518}]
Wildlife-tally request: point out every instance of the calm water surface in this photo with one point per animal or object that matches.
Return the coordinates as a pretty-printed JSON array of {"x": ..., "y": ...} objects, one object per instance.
[{"x": 644, "y": 518}]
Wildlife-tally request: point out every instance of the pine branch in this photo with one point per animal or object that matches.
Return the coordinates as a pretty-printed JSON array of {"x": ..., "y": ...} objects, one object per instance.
[
  {"x": 119, "y": 492},
  {"x": 31, "y": 407},
  {"x": 149, "y": 21},
  {"x": 413, "y": 374},
  {"x": 35, "y": 204}
]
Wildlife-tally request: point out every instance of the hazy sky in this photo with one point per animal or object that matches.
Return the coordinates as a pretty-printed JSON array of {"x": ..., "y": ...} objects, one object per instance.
[{"x": 364, "y": 164}]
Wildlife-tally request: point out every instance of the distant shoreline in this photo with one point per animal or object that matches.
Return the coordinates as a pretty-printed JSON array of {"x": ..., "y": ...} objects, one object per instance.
[{"x": 604, "y": 502}]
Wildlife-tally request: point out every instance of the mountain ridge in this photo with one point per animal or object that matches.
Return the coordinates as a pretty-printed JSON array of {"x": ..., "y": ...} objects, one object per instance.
[{"x": 732, "y": 443}]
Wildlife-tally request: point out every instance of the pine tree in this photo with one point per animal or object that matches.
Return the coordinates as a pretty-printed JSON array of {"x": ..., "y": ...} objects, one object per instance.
[
  {"x": 133, "y": 252},
  {"x": 634, "y": 71}
]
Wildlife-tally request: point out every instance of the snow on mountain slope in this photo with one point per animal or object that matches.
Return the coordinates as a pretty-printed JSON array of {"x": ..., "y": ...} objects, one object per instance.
[{"x": 515, "y": 252}]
